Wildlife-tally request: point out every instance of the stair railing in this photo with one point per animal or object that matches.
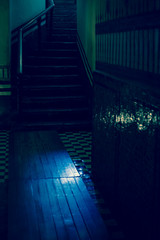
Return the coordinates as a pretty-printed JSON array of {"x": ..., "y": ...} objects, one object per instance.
[
  {"x": 38, "y": 19},
  {"x": 29, "y": 26}
]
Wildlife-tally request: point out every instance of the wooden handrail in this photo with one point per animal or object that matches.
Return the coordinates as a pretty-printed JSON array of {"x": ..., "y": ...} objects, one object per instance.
[
  {"x": 20, "y": 30},
  {"x": 29, "y": 23}
]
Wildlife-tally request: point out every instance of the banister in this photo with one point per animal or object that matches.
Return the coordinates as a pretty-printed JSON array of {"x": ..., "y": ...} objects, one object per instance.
[
  {"x": 20, "y": 35},
  {"x": 37, "y": 17}
]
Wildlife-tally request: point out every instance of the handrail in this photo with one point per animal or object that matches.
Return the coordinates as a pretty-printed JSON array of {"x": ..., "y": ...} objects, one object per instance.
[
  {"x": 36, "y": 17},
  {"x": 20, "y": 35}
]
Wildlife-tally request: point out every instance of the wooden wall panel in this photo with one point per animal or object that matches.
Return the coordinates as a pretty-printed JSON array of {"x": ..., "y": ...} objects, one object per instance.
[
  {"x": 128, "y": 58},
  {"x": 156, "y": 49},
  {"x": 133, "y": 49},
  {"x": 129, "y": 37}
]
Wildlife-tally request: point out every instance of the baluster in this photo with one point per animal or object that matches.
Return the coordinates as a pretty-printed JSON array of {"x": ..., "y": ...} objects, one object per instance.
[
  {"x": 51, "y": 19},
  {"x": 39, "y": 32},
  {"x": 20, "y": 51}
]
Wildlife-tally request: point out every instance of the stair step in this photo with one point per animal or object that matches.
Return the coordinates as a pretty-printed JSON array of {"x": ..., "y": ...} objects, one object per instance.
[
  {"x": 56, "y": 52},
  {"x": 63, "y": 37},
  {"x": 67, "y": 22},
  {"x": 55, "y": 114},
  {"x": 43, "y": 87},
  {"x": 66, "y": 18},
  {"x": 62, "y": 2},
  {"x": 60, "y": 5},
  {"x": 63, "y": 24},
  {"x": 51, "y": 79},
  {"x": 60, "y": 45},
  {"x": 55, "y": 111},
  {"x": 53, "y": 90},
  {"x": 59, "y": 101},
  {"x": 47, "y": 60},
  {"x": 56, "y": 125},
  {"x": 70, "y": 13},
  {"x": 50, "y": 69},
  {"x": 64, "y": 31},
  {"x": 54, "y": 98}
]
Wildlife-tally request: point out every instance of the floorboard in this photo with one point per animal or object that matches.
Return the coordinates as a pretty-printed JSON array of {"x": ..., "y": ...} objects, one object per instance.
[{"x": 47, "y": 198}]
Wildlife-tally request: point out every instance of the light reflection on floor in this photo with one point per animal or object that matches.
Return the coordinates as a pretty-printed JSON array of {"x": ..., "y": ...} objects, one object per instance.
[{"x": 79, "y": 145}]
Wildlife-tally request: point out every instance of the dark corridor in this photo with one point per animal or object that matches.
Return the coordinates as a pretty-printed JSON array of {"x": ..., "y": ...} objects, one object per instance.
[{"x": 78, "y": 70}]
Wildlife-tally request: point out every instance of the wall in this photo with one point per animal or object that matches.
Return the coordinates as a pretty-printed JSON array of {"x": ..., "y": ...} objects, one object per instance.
[
  {"x": 4, "y": 32},
  {"x": 22, "y": 11},
  {"x": 126, "y": 116},
  {"x": 128, "y": 34},
  {"x": 5, "y": 88},
  {"x": 86, "y": 28}
]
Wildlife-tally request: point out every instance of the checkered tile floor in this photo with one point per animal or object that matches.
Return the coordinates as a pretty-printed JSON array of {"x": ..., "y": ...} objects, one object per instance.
[
  {"x": 78, "y": 145},
  {"x": 4, "y": 148}
]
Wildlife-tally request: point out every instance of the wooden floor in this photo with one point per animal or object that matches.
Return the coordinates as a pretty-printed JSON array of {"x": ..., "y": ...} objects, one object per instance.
[{"x": 47, "y": 198}]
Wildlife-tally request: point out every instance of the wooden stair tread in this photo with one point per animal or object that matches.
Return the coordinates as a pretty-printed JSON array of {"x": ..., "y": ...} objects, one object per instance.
[
  {"x": 54, "y": 98},
  {"x": 28, "y": 76},
  {"x": 55, "y": 110},
  {"x": 54, "y": 86},
  {"x": 51, "y": 57},
  {"x": 49, "y": 66}
]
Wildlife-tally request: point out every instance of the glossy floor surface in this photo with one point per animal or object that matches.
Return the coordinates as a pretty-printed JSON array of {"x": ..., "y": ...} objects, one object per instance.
[
  {"x": 78, "y": 144},
  {"x": 47, "y": 197}
]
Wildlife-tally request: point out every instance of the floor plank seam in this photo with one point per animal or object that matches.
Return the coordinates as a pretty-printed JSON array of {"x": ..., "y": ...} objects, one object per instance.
[
  {"x": 110, "y": 222},
  {"x": 78, "y": 145}
]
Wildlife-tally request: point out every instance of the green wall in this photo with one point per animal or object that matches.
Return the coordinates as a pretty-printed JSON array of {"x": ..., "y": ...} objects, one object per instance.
[
  {"x": 86, "y": 28},
  {"x": 24, "y": 10},
  {"x": 4, "y": 33}
]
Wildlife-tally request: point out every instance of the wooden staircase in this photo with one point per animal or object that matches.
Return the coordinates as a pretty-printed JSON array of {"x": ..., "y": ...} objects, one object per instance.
[{"x": 53, "y": 91}]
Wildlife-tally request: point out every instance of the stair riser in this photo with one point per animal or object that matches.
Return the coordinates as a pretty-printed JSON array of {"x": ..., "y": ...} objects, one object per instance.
[
  {"x": 69, "y": 24},
  {"x": 61, "y": 46},
  {"x": 52, "y": 62},
  {"x": 43, "y": 80},
  {"x": 52, "y": 53},
  {"x": 65, "y": 116},
  {"x": 51, "y": 70},
  {"x": 63, "y": 12},
  {"x": 52, "y": 92},
  {"x": 63, "y": 24},
  {"x": 62, "y": 127},
  {"x": 61, "y": 38},
  {"x": 62, "y": 2},
  {"x": 54, "y": 104},
  {"x": 63, "y": 19},
  {"x": 64, "y": 31}
]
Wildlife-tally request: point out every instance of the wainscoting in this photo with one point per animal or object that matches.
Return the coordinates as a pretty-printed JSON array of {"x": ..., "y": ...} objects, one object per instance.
[{"x": 126, "y": 135}]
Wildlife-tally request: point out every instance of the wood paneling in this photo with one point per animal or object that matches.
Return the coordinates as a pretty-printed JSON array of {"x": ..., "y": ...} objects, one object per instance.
[{"x": 128, "y": 34}]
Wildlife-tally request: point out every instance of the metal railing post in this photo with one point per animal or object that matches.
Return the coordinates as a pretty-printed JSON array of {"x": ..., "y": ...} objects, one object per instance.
[
  {"x": 20, "y": 51},
  {"x": 51, "y": 19},
  {"x": 39, "y": 32}
]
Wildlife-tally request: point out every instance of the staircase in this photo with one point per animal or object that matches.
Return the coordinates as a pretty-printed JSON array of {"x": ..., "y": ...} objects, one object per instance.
[{"x": 53, "y": 91}]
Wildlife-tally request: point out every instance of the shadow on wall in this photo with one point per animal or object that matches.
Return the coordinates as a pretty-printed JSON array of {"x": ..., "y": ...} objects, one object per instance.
[{"x": 126, "y": 153}]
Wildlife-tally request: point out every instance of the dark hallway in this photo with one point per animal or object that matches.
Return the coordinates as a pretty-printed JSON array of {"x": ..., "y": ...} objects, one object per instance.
[
  {"x": 48, "y": 199},
  {"x": 80, "y": 119}
]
